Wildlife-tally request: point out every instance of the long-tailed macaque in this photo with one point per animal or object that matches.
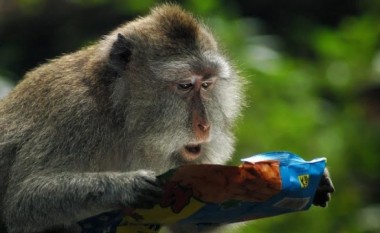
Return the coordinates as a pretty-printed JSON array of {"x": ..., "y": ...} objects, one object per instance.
[{"x": 88, "y": 132}]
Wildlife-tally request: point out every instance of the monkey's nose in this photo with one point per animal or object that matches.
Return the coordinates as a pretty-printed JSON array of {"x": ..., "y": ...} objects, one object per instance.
[{"x": 204, "y": 127}]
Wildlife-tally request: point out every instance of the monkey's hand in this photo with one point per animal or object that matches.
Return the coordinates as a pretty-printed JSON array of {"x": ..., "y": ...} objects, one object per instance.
[
  {"x": 324, "y": 190},
  {"x": 144, "y": 190}
]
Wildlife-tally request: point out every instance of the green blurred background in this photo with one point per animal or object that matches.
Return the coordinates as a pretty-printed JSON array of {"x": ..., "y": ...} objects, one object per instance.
[{"x": 314, "y": 83}]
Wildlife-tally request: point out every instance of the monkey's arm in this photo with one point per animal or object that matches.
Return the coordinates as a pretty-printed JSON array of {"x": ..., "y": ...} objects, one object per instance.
[{"x": 44, "y": 201}]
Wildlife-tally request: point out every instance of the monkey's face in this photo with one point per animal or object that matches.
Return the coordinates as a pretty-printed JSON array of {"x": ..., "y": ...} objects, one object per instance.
[
  {"x": 179, "y": 95},
  {"x": 185, "y": 109},
  {"x": 195, "y": 91}
]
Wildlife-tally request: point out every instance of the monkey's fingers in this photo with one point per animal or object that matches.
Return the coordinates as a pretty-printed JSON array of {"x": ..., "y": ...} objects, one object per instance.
[
  {"x": 326, "y": 183},
  {"x": 150, "y": 194},
  {"x": 324, "y": 190},
  {"x": 321, "y": 199},
  {"x": 146, "y": 190}
]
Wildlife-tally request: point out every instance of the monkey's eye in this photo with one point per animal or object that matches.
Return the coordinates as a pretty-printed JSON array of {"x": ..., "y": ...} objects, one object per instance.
[
  {"x": 185, "y": 86},
  {"x": 206, "y": 85}
]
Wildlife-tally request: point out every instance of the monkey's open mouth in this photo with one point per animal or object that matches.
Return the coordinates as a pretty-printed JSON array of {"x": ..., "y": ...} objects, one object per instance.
[
  {"x": 191, "y": 152},
  {"x": 193, "y": 149}
]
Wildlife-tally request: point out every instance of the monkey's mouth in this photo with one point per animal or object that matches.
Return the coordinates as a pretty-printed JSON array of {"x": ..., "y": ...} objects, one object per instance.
[
  {"x": 191, "y": 152},
  {"x": 193, "y": 149}
]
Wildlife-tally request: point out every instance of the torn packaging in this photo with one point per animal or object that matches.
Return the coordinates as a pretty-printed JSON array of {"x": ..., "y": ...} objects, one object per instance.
[{"x": 264, "y": 185}]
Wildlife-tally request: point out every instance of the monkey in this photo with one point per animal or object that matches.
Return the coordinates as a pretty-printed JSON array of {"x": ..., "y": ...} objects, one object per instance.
[{"x": 90, "y": 131}]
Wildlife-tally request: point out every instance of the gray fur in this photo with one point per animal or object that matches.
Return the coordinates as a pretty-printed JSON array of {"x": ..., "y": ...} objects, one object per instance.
[{"x": 87, "y": 133}]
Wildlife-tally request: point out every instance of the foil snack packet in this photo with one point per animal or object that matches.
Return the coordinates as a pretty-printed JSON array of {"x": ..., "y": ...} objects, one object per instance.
[{"x": 264, "y": 185}]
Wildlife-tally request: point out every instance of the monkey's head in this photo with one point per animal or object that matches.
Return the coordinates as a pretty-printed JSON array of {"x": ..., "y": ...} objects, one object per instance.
[{"x": 177, "y": 92}]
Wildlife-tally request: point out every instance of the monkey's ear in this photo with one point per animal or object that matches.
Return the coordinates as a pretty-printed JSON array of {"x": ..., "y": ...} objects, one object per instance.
[{"x": 121, "y": 52}]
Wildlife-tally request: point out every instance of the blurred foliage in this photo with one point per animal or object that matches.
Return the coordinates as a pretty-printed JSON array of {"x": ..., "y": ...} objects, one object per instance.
[
  {"x": 320, "y": 107},
  {"x": 314, "y": 84}
]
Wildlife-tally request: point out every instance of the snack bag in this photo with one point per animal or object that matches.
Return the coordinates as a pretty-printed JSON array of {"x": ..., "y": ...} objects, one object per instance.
[{"x": 264, "y": 185}]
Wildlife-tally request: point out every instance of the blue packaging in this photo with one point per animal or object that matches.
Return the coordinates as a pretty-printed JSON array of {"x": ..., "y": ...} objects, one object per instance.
[{"x": 296, "y": 187}]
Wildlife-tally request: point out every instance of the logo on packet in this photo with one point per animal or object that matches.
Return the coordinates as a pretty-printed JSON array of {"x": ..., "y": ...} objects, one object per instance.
[{"x": 304, "y": 180}]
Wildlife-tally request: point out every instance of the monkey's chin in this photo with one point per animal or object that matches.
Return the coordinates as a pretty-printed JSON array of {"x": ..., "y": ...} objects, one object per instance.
[{"x": 191, "y": 152}]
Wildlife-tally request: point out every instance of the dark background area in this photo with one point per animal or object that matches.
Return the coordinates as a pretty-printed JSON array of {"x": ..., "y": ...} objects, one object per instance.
[{"x": 32, "y": 31}]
